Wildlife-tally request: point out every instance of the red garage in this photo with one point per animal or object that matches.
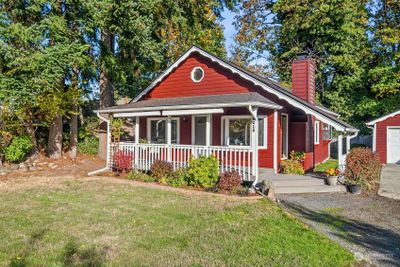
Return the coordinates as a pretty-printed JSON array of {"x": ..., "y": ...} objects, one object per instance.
[{"x": 386, "y": 139}]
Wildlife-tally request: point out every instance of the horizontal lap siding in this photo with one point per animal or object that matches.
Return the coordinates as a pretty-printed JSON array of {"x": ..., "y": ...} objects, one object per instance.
[
  {"x": 381, "y": 136},
  {"x": 216, "y": 81},
  {"x": 321, "y": 150}
]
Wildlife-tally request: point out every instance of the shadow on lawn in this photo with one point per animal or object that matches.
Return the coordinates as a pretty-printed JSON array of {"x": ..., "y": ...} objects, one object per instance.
[
  {"x": 73, "y": 254},
  {"x": 379, "y": 240}
]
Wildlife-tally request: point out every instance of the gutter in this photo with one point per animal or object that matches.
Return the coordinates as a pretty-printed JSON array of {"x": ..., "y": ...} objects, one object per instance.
[{"x": 106, "y": 168}]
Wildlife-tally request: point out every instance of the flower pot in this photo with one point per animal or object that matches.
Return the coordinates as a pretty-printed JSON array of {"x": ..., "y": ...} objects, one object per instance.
[
  {"x": 354, "y": 189},
  {"x": 331, "y": 180}
]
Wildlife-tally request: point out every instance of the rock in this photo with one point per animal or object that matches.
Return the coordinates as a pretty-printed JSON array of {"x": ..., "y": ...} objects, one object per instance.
[
  {"x": 4, "y": 171},
  {"x": 22, "y": 165},
  {"x": 53, "y": 167},
  {"x": 14, "y": 167},
  {"x": 23, "y": 168},
  {"x": 33, "y": 168}
]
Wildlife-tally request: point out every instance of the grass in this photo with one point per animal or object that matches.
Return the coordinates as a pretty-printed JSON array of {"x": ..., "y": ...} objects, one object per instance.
[
  {"x": 100, "y": 222},
  {"x": 330, "y": 163}
]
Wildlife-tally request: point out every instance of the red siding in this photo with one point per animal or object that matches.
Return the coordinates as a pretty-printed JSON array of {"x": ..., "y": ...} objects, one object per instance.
[
  {"x": 321, "y": 150},
  {"x": 381, "y": 136},
  {"x": 216, "y": 81}
]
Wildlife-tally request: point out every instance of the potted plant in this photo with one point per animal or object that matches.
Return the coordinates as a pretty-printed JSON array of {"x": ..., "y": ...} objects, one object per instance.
[
  {"x": 354, "y": 187},
  {"x": 331, "y": 176}
]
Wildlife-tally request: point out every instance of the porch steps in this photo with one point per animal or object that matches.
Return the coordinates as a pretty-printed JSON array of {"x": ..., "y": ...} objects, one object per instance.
[
  {"x": 295, "y": 184},
  {"x": 309, "y": 189}
]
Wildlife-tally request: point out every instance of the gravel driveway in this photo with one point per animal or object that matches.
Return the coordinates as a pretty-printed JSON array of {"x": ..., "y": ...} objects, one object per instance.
[{"x": 368, "y": 226}]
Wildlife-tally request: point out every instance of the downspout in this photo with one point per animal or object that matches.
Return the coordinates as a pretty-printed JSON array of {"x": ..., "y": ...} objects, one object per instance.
[{"x": 108, "y": 147}]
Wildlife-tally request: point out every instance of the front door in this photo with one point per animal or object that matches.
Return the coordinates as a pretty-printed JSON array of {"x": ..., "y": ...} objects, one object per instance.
[
  {"x": 199, "y": 130},
  {"x": 393, "y": 145}
]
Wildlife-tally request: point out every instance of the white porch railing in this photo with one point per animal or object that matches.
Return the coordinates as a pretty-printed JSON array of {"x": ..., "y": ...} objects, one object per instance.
[{"x": 144, "y": 155}]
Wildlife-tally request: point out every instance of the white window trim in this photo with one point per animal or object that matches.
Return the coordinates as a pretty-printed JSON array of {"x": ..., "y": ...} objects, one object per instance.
[
  {"x": 287, "y": 134},
  {"x": 316, "y": 132},
  {"x": 192, "y": 74},
  {"x": 225, "y": 138},
  {"x": 193, "y": 128},
  {"x": 163, "y": 118}
]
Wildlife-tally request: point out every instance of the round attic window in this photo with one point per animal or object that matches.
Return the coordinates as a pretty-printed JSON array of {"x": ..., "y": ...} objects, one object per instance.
[{"x": 197, "y": 74}]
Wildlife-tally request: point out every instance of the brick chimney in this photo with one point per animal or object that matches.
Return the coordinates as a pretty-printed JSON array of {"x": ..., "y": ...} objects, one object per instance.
[{"x": 303, "y": 78}]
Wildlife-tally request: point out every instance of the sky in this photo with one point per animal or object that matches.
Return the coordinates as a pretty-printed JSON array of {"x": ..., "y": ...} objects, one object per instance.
[
  {"x": 229, "y": 31},
  {"x": 229, "y": 34}
]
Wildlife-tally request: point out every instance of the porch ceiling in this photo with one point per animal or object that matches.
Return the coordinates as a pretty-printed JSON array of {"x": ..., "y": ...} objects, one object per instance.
[{"x": 195, "y": 102}]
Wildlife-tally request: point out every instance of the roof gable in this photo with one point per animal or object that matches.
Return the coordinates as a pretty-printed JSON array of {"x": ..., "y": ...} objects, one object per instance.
[
  {"x": 383, "y": 118},
  {"x": 217, "y": 80},
  {"x": 266, "y": 84}
]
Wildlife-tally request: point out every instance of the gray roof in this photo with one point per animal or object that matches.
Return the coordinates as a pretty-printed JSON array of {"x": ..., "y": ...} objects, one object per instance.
[{"x": 193, "y": 102}]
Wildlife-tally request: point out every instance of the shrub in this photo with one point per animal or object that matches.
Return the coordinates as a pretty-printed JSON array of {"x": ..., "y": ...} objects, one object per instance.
[
  {"x": 178, "y": 178},
  {"x": 362, "y": 167},
  {"x": 162, "y": 171},
  {"x": 122, "y": 161},
  {"x": 230, "y": 181},
  {"x": 294, "y": 165},
  {"x": 18, "y": 149},
  {"x": 88, "y": 146},
  {"x": 140, "y": 176},
  {"x": 203, "y": 171}
]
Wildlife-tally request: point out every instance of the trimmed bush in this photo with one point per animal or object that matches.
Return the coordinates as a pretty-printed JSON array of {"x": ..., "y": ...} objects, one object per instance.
[
  {"x": 178, "y": 178},
  {"x": 230, "y": 181},
  {"x": 88, "y": 146},
  {"x": 362, "y": 167},
  {"x": 203, "y": 171},
  {"x": 122, "y": 161},
  {"x": 18, "y": 149},
  {"x": 162, "y": 171},
  {"x": 140, "y": 176}
]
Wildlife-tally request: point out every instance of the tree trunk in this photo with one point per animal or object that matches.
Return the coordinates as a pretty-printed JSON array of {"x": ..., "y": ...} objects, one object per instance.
[
  {"x": 73, "y": 132},
  {"x": 30, "y": 129},
  {"x": 54, "y": 146},
  {"x": 106, "y": 95}
]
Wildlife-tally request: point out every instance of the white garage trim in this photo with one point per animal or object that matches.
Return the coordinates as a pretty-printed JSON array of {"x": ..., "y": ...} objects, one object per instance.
[{"x": 393, "y": 146}]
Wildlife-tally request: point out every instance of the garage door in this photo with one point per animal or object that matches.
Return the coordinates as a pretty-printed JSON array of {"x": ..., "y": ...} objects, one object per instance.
[{"x": 393, "y": 145}]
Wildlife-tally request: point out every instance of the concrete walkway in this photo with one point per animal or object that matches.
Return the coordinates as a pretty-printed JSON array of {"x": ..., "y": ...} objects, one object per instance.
[
  {"x": 294, "y": 184},
  {"x": 390, "y": 181}
]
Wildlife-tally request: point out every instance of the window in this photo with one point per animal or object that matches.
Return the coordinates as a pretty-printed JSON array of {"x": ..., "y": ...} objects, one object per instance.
[
  {"x": 326, "y": 132},
  {"x": 197, "y": 74},
  {"x": 284, "y": 126},
  {"x": 157, "y": 130},
  {"x": 236, "y": 131},
  {"x": 316, "y": 132},
  {"x": 199, "y": 130}
]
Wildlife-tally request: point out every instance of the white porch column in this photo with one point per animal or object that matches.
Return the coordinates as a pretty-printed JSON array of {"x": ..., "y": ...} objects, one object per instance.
[
  {"x": 254, "y": 141},
  {"x": 374, "y": 139},
  {"x": 275, "y": 152},
  {"x": 348, "y": 138},
  {"x": 136, "y": 141},
  {"x": 169, "y": 137},
  {"x": 208, "y": 133},
  {"x": 340, "y": 149},
  {"x": 108, "y": 160}
]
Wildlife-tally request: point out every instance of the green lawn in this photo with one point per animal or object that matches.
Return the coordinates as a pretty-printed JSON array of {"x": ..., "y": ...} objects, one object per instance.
[
  {"x": 101, "y": 222},
  {"x": 330, "y": 163}
]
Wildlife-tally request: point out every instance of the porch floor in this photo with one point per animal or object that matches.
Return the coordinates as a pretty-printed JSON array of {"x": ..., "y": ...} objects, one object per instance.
[{"x": 293, "y": 184}]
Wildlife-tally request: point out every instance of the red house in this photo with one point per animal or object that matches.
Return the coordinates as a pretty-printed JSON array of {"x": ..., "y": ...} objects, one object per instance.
[
  {"x": 203, "y": 105},
  {"x": 386, "y": 137}
]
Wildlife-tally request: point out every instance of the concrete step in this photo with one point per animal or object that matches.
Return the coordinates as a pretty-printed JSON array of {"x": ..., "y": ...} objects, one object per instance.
[
  {"x": 309, "y": 189},
  {"x": 298, "y": 182}
]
